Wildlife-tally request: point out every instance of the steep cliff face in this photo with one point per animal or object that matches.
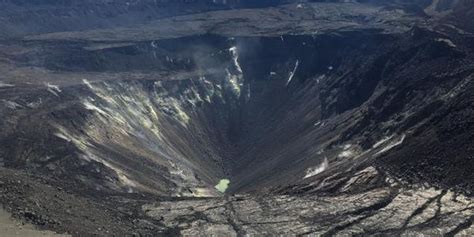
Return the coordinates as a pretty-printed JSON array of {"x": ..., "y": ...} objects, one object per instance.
[
  {"x": 327, "y": 118},
  {"x": 171, "y": 135},
  {"x": 251, "y": 106}
]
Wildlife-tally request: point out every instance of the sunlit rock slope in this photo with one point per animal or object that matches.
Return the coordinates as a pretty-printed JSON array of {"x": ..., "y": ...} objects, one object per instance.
[{"x": 302, "y": 119}]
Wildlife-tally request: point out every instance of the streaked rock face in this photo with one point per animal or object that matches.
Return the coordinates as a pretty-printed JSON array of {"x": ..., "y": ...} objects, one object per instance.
[
  {"x": 302, "y": 119},
  {"x": 156, "y": 123}
]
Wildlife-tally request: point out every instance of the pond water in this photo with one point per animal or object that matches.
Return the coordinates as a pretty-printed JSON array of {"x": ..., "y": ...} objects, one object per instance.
[{"x": 222, "y": 185}]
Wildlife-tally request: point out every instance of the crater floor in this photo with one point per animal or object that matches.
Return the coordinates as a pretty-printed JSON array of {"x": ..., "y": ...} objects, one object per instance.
[{"x": 314, "y": 119}]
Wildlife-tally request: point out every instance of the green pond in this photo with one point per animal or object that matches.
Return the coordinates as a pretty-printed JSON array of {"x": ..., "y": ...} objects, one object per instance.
[{"x": 222, "y": 185}]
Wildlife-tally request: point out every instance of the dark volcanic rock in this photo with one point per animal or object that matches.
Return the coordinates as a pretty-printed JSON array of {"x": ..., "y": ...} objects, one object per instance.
[{"x": 326, "y": 117}]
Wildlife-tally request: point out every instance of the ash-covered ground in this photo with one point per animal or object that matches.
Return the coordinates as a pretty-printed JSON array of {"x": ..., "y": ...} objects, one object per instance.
[{"x": 323, "y": 118}]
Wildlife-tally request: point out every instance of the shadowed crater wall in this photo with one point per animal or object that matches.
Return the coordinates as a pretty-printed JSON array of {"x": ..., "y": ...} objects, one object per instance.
[{"x": 259, "y": 111}]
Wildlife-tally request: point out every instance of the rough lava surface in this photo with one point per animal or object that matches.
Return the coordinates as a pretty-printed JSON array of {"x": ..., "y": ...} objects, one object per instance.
[{"x": 230, "y": 118}]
